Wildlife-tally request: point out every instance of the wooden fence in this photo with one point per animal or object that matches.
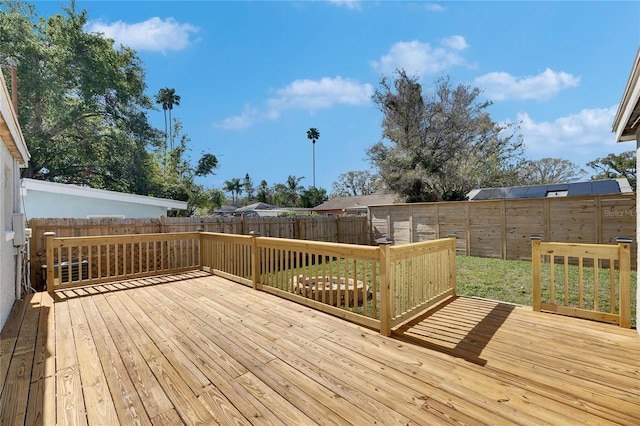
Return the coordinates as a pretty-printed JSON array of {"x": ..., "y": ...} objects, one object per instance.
[
  {"x": 556, "y": 288},
  {"x": 350, "y": 230},
  {"x": 501, "y": 228},
  {"x": 379, "y": 287}
]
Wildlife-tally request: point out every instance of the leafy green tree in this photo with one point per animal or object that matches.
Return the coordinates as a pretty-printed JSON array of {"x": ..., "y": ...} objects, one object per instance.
[
  {"x": 234, "y": 186},
  {"x": 358, "y": 182},
  {"x": 615, "y": 166},
  {"x": 313, "y": 135},
  {"x": 550, "y": 170},
  {"x": 177, "y": 180},
  {"x": 442, "y": 141},
  {"x": 265, "y": 193},
  {"x": 82, "y": 102},
  {"x": 312, "y": 197},
  {"x": 248, "y": 187}
]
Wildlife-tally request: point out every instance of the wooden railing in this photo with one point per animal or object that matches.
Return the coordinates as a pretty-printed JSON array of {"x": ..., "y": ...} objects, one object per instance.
[
  {"x": 379, "y": 287},
  {"x": 421, "y": 274},
  {"x": 595, "y": 289},
  {"x": 81, "y": 261}
]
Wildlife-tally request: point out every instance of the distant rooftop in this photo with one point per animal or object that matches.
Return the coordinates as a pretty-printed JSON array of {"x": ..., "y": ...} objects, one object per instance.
[
  {"x": 595, "y": 187},
  {"x": 355, "y": 202}
]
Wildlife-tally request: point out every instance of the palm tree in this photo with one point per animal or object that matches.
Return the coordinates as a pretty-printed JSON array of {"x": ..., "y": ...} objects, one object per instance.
[
  {"x": 168, "y": 98},
  {"x": 234, "y": 187},
  {"x": 161, "y": 100},
  {"x": 313, "y": 134},
  {"x": 293, "y": 189}
]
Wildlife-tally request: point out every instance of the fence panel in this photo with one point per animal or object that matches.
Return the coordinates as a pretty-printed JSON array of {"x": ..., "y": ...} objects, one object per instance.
[{"x": 501, "y": 228}]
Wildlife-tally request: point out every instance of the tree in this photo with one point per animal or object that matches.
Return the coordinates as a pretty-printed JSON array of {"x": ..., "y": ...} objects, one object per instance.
[
  {"x": 82, "y": 102},
  {"x": 550, "y": 170},
  {"x": 287, "y": 194},
  {"x": 358, "y": 182},
  {"x": 177, "y": 180},
  {"x": 234, "y": 187},
  {"x": 312, "y": 197},
  {"x": 440, "y": 142},
  {"x": 615, "y": 166},
  {"x": 247, "y": 184},
  {"x": 167, "y": 98},
  {"x": 313, "y": 134},
  {"x": 264, "y": 193}
]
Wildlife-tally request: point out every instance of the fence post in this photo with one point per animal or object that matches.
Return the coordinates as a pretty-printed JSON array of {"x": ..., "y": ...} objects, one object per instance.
[
  {"x": 255, "y": 258},
  {"x": 385, "y": 285},
  {"x": 48, "y": 244},
  {"x": 452, "y": 261},
  {"x": 624, "y": 257},
  {"x": 535, "y": 271}
]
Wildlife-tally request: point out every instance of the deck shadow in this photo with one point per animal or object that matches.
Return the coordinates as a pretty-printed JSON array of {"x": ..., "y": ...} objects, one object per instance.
[
  {"x": 72, "y": 293},
  {"x": 461, "y": 327}
]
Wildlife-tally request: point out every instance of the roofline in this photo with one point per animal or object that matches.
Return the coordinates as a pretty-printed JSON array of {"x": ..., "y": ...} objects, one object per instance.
[
  {"x": 10, "y": 128},
  {"x": 630, "y": 99},
  {"x": 81, "y": 191}
]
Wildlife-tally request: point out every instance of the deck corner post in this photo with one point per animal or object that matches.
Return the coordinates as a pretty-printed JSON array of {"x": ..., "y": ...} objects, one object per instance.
[
  {"x": 48, "y": 244},
  {"x": 384, "y": 245},
  {"x": 535, "y": 271},
  {"x": 452, "y": 262},
  {"x": 624, "y": 256},
  {"x": 255, "y": 258}
]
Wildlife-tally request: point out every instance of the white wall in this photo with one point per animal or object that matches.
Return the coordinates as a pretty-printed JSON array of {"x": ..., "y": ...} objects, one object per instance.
[
  {"x": 39, "y": 204},
  {"x": 8, "y": 178}
]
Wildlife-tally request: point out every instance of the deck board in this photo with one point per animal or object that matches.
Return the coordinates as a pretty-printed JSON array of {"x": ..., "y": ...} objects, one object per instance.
[{"x": 197, "y": 349}]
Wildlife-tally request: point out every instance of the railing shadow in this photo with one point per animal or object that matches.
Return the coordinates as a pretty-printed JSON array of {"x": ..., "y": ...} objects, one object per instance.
[
  {"x": 92, "y": 290},
  {"x": 461, "y": 327}
]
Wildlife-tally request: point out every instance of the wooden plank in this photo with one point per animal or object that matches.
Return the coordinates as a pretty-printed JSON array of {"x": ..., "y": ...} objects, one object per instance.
[
  {"x": 128, "y": 405},
  {"x": 151, "y": 393},
  {"x": 15, "y": 392},
  {"x": 9, "y": 335}
]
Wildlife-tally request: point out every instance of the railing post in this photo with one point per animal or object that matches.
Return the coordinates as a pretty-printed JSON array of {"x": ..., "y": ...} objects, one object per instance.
[
  {"x": 48, "y": 244},
  {"x": 535, "y": 271},
  {"x": 624, "y": 257},
  {"x": 255, "y": 258},
  {"x": 385, "y": 286},
  {"x": 200, "y": 230},
  {"x": 452, "y": 262}
]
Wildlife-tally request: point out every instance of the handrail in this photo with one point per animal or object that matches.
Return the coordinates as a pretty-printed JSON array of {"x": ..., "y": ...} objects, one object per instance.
[
  {"x": 378, "y": 287},
  {"x": 574, "y": 292}
]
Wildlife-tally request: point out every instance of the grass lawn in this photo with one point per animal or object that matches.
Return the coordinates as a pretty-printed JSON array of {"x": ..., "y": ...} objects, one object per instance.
[{"x": 510, "y": 281}]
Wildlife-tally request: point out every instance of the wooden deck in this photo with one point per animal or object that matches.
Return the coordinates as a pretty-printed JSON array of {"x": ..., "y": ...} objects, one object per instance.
[{"x": 197, "y": 349}]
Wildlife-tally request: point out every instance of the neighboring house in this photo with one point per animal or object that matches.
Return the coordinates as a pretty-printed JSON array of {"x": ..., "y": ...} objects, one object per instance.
[
  {"x": 13, "y": 156},
  {"x": 595, "y": 187},
  {"x": 353, "y": 205},
  {"x": 626, "y": 126},
  {"x": 44, "y": 199}
]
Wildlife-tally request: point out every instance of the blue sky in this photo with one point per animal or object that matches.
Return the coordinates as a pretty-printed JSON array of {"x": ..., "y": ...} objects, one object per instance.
[{"x": 255, "y": 76}]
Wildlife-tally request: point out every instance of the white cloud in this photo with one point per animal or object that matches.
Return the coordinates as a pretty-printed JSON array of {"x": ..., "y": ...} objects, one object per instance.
[
  {"x": 318, "y": 94},
  {"x": 418, "y": 58},
  {"x": 245, "y": 120},
  {"x": 501, "y": 85},
  {"x": 308, "y": 95},
  {"x": 578, "y": 137},
  {"x": 455, "y": 42},
  {"x": 349, "y": 4},
  {"x": 435, "y": 7},
  {"x": 154, "y": 34}
]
